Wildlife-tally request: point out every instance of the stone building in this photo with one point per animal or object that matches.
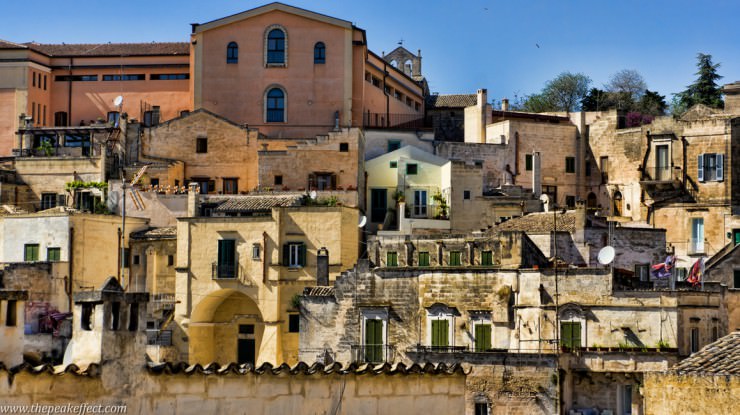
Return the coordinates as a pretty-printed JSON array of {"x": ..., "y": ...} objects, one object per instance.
[
  {"x": 241, "y": 260},
  {"x": 446, "y": 115}
]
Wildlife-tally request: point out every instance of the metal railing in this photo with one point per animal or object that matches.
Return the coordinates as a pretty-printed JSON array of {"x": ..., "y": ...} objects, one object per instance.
[
  {"x": 696, "y": 246},
  {"x": 660, "y": 173},
  {"x": 394, "y": 121},
  {"x": 373, "y": 353},
  {"x": 159, "y": 337},
  {"x": 224, "y": 271},
  {"x": 427, "y": 211},
  {"x": 440, "y": 349}
]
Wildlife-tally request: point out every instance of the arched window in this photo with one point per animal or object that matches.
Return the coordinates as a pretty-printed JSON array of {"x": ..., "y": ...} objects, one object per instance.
[
  {"x": 276, "y": 46},
  {"x": 617, "y": 203},
  {"x": 319, "y": 53},
  {"x": 232, "y": 53},
  {"x": 275, "y": 105}
]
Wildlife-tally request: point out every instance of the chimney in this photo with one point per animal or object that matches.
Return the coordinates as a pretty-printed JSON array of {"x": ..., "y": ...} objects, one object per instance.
[
  {"x": 505, "y": 104},
  {"x": 322, "y": 267},
  {"x": 536, "y": 172},
  {"x": 192, "y": 200},
  {"x": 482, "y": 100},
  {"x": 580, "y": 224}
]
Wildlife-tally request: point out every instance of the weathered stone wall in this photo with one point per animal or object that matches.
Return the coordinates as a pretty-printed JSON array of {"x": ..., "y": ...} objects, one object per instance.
[
  {"x": 240, "y": 394},
  {"x": 493, "y": 158},
  {"x": 376, "y": 141},
  {"x": 669, "y": 394}
]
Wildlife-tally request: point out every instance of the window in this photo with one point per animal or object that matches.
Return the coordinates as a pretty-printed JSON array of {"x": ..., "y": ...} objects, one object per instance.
[
  {"x": 393, "y": 164},
  {"x": 86, "y": 317},
  {"x": 126, "y": 255},
  {"x": 423, "y": 259},
  {"x": 420, "y": 204},
  {"x": 294, "y": 323},
  {"x": 115, "y": 311},
  {"x": 736, "y": 278},
  {"x": 255, "y": 252},
  {"x": 455, "y": 258},
  {"x": 482, "y": 337},
  {"x": 343, "y": 147},
  {"x": 275, "y": 105},
  {"x": 232, "y": 53},
  {"x": 231, "y": 186},
  {"x": 715, "y": 334},
  {"x": 570, "y": 164},
  {"x": 710, "y": 167},
  {"x": 136, "y": 77},
  {"x": 374, "y": 327},
  {"x": 376, "y": 82},
  {"x": 412, "y": 168},
  {"x": 44, "y": 82},
  {"x": 133, "y": 317},
  {"x": 53, "y": 254},
  {"x": 137, "y": 260},
  {"x": 60, "y": 119},
  {"x": 604, "y": 165},
  {"x": 226, "y": 265},
  {"x": 113, "y": 117},
  {"x": 466, "y": 194},
  {"x": 642, "y": 271},
  {"x": 201, "y": 145},
  {"x": 694, "y": 340},
  {"x": 486, "y": 258},
  {"x": 278, "y": 180},
  {"x": 528, "y": 162},
  {"x": 681, "y": 273},
  {"x": 31, "y": 252},
  {"x": 481, "y": 408},
  {"x": 440, "y": 333},
  {"x": 617, "y": 202},
  {"x": 587, "y": 167},
  {"x": 170, "y": 260},
  {"x": 391, "y": 259},
  {"x": 76, "y": 78},
  {"x": 696, "y": 245},
  {"x": 322, "y": 181},
  {"x": 570, "y": 334},
  {"x": 319, "y": 53},
  {"x": 294, "y": 254},
  {"x": 169, "y": 77},
  {"x": 48, "y": 200},
  {"x": 276, "y": 47},
  {"x": 394, "y": 145},
  {"x": 11, "y": 313},
  {"x": 570, "y": 201}
]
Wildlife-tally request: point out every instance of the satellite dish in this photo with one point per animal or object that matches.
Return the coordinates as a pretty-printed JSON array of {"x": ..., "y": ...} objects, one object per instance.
[
  {"x": 606, "y": 255},
  {"x": 545, "y": 199},
  {"x": 363, "y": 221},
  {"x": 312, "y": 195},
  {"x": 118, "y": 101}
]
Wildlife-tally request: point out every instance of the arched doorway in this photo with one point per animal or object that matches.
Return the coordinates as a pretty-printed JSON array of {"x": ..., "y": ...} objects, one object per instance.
[
  {"x": 617, "y": 198},
  {"x": 225, "y": 327},
  {"x": 591, "y": 201}
]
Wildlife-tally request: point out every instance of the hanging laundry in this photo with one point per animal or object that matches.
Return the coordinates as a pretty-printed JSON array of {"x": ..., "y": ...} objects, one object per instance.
[
  {"x": 697, "y": 272},
  {"x": 663, "y": 270}
]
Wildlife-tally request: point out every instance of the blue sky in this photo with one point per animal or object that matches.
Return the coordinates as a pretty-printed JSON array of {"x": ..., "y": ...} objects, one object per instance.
[{"x": 465, "y": 44}]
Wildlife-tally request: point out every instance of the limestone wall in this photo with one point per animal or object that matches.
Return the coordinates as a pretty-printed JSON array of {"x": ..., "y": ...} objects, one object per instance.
[{"x": 668, "y": 394}]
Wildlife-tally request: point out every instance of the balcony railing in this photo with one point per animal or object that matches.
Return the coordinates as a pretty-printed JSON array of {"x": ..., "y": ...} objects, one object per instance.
[
  {"x": 224, "y": 271},
  {"x": 428, "y": 211},
  {"x": 696, "y": 246},
  {"x": 441, "y": 349},
  {"x": 373, "y": 353},
  {"x": 159, "y": 337},
  {"x": 661, "y": 174},
  {"x": 394, "y": 121}
]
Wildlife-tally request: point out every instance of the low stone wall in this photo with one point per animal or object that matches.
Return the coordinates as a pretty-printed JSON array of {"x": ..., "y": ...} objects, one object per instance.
[{"x": 669, "y": 394}]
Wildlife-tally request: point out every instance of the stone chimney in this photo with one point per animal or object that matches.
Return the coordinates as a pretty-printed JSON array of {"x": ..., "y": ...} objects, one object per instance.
[
  {"x": 505, "y": 104},
  {"x": 537, "y": 175},
  {"x": 193, "y": 200},
  {"x": 322, "y": 267},
  {"x": 580, "y": 225},
  {"x": 482, "y": 100}
]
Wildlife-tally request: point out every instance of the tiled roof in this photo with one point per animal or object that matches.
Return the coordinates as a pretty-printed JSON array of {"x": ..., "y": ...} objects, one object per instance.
[
  {"x": 721, "y": 358},
  {"x": 168, "y": 232},
  {"x": 451, "y": 101},
  {"x": 318, "y": 291},
  {"x": 91, "y": 370},
  {"x": 302, "y": 368},
  {"x": 541, "y": 222},
  {"x": 254, "y": 203},
  {"x": 4, "y": 44},
  {"x": 112, "y": 49}
]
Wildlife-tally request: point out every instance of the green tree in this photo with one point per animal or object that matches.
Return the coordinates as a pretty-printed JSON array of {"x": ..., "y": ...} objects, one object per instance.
[
  {"x": 652, "y": 103},
  {"x": 537, "y": 103},
  {"x": 596, "y": 100},
  {"x": 563, "y": 93},
  {"x": 705, "y": 89}
]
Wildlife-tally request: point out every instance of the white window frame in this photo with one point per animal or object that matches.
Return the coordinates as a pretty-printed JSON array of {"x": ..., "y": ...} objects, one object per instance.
[
  {"x": 480, "y": 319},
  {"x": 294, "y": 255},
  {"x": 418, "y": 211},
  {"x": 696, "y": 243},
  {"x": 441, "y": 313},
  {"x": 256, "y": 251}
]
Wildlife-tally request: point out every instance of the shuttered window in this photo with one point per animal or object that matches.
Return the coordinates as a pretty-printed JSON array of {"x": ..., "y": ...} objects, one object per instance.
[
  {"x": 482, "y": 337},
  {"x": 570, "y": 334},
  {"x": 440, "y": 333}
]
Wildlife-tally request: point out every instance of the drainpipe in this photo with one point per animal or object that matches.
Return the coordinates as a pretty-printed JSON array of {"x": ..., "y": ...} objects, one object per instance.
[
  {"x": 387, "y": 98},
  {"x": 69, "y": 93},
  {"x": 70, "y": 262},
  {"x": 264, "y": 257}
]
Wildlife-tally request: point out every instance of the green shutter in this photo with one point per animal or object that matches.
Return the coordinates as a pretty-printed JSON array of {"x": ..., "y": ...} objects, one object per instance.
[
  {"x": 482, "y": 337},
  {"x": 391, "y": 259},
  {"x": 570, "y": 334},
  {"x": 423, "y": 259},
  {"x": 374, "y": 340},
  {"x": 440, "y": 333},
  {"x": 302, "y": 255},
  {"x": 454, "y": 258},
  {"x": 31, "y": 252},
  {"x": 486, "y": 258},
  {"x": 53, "y": 254}
]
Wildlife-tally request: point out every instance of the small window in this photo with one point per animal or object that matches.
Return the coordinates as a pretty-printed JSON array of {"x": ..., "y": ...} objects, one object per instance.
[
  {"x": 169, "y": 77},
  {"x": 33, "y": 74},
  {"x": 570, "y": 164},
  {"x": 135, "y": 77},
  {"x": 466, "y": 194},
  {"x": 53, "y": 254},
  {"x": 86, "y": 317},
  {"x": 48, "y": 200},
  {"x": 256, "y": 252},
  {"x": 294, "y": 254},
  {"x": 231, "y": 186},
  {"x": 44, "y": 82},
  {"x": 31, "y": 252},
  {"x": 11, "y": 314},
  {"x": 294, "y": 323},
  {"x": 133, "y": 317},
  {"x": 394, "y": 164},
  {"x": 570, "y": 334},
  {"x": 394, "y": 145},
  {"x": 126, "y": 255},
  {"x": 391, "y": 259},
  {"x": 343, "y": 147},
  {"x": 486, "y": 258},
  {"x": 232, "y": 53},
  {"x": 694, "y": 340},
  {"x": 201, "y": 145},
  {"x": 60, "y": 119},
  {"x": 570, "y": 201},
  {"x": 710, "y": 167},
  {"x": 170, "y": 260},
  {"x": 642, "y": 272},
  {"x": 423, "y": 259},
  {"x": 154, "y": 182},
  {"x": 412, "y": 168},
  {"x": 137, "y": 260},
  {"x": 319, "y": 53},
  {"x": 278, "y": 180},
  {"x": 481, "y": 408},
  {"x": 115, "y": 319},
  {"x": 455, "y": 258},
  {"x": 528, "y": 162}
]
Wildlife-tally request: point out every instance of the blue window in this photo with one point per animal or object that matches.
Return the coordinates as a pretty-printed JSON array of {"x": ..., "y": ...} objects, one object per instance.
[
  {"x": 319, "y": 53},
  {"x": 276, "y": 46},
  {"x": 232, "y": 53},
  {"x": 275, "y": 105}
]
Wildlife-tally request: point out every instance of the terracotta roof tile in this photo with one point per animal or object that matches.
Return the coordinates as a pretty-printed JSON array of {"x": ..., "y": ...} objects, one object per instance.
[
  {"x": 318, "y": 291},
  {"x": 721, "y": 358},
  {"x": 4, "y": 44},
  {"x": 451, "y": 101},
  {"x": 541, "y": 222},
  {"x": 112, "y": 49},
  {"x": 254, "y": 203},
  {"x": 303, "y": 368},
  {"x": 168, "y": 232}
]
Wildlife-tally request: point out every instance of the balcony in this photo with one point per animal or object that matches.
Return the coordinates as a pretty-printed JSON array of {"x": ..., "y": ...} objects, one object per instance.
[
  {"x": 159, "y": 337},
  {"x": 440, "y": 349},
  {"x": 661, "y": 177},
  {"x": 230, "y": 272},
  {"x": 394, "y": 121},
  {"x": 427, "y": 211},
  {"x": 165, "y": 301},
  {"x": 373, "y": 353},
  {"x": 696, "y": 246}
]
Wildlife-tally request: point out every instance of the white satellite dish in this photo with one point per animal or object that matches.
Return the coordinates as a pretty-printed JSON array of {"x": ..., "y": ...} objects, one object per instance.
[
  {"x": 363, "y": 221},
  {"x": 312, "y": 195},
  {"x": 606, "y": 255},
  {"x": 118, "y": 101}
]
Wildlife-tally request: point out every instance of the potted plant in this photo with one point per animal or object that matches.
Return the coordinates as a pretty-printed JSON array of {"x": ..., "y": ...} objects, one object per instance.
[
  {"x": 399, "y": 197},
  {"x": 443, "y": 206}
]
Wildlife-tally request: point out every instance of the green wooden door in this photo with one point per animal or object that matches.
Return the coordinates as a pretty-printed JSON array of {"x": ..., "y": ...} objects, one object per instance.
[
  {"x": 440, "y": 333},
  {"x": 570, "y": 334},
  {"x": 374, "y": 340},
  {"x": 226, "y": 258},
  {"x": 482, "y": 337}
]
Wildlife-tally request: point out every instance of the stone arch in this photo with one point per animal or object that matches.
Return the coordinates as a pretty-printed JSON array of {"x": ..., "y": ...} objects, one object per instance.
[
  {"x": 591, "y": 201},
  {"x": 617, "y": 202}
]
